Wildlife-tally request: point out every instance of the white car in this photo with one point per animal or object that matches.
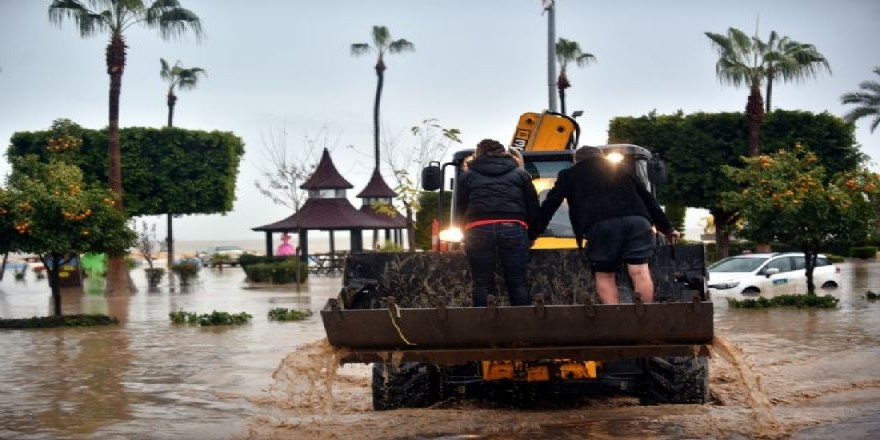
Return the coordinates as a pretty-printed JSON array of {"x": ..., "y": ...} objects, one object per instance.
[
  {"x": 769, "y": 274},
  {"x": 229, "y": 252}
]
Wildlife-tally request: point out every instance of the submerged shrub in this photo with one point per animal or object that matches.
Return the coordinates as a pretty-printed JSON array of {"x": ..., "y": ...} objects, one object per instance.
[
  {"x": 213, "y": 318},
  {"x": 799, "y": 301},
  {"x": 282, "y": 314},
  {"x": 58, "y": 321}
]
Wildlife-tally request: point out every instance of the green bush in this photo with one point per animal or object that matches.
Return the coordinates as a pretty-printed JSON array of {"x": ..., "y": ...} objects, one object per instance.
[
  {"x": 282, "y": 314},
  {"x": 281, "y": 272},
  {"x": 213, "y": 318},
  {"x": 799, "y": 301},
  {"x": 863, "y": 252},
  {"x": 58, "y": 321}
]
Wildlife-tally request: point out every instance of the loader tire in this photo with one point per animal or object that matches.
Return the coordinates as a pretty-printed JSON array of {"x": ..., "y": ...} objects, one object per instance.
[
  {"x": 683, "y": 379},
  {"x": 408, "y": 385}
]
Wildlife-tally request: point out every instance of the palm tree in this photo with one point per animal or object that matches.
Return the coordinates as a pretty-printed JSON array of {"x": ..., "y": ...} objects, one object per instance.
[
  {"x": 182, "y": 79},
  {"x": 115, "y": 17},
  {"x": 566, "y": 53},
  {"x": 740, "y": 63},
  {"x": 868, "y": 100},
  {"x": 748, "y": 60},
  {"x": 382, "y": 44},
  {"x": 789, "y": 60}
]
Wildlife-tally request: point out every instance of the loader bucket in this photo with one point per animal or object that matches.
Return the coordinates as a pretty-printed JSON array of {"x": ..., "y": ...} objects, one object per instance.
[{"x": 416, "y": 307}]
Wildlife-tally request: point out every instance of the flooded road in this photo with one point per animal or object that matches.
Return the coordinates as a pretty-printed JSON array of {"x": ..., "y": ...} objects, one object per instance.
[{"x": 780, "y": 373}]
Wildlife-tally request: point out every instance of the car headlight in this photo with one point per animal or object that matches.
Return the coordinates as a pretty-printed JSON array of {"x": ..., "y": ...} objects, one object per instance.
[{"x": 724, "y": 286}]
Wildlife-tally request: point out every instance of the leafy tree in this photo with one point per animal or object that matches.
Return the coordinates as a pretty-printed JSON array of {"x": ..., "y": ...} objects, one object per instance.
[
  {"x": 696, "y": 146},
  {"x": 867, "y": 101},
  {"x": 50, "y": 210},
  {"x": 568, "y": 52},
  {"x": 789, "y": 60},
  {"x": 115, "y": 17},
  {"x": 287, "y": 166},
  {"x": 745, "y": 60},
  {"x": 789, "y": 197},
  {"x": 433, "y": 142},
  {"x": 180, "y": 78},
  {"x": 382, "y": 44}
]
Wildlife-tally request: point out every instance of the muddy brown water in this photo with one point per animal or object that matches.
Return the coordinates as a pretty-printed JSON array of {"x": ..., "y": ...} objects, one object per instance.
[{"x": 780, "y": 373}]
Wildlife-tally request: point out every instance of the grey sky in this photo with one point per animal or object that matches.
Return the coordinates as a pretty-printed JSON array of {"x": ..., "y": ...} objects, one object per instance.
[{"x": 478, "y": 64}]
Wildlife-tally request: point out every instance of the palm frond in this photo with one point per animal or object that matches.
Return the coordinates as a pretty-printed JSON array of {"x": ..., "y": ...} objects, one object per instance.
[
  {"x": 358, "y": 49},
  {"x": 401, "y": 45}
]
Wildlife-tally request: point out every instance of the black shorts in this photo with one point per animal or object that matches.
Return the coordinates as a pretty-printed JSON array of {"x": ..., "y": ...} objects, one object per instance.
[{"x": 628, "y": 239}]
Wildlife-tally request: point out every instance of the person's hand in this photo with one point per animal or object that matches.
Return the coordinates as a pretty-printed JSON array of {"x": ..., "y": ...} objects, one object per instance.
[{"x": 673, "y": 236}]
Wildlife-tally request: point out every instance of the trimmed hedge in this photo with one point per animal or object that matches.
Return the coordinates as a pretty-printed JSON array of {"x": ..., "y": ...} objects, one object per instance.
[
  {"x": 280, "y": 272},
  {"x": 863, "y": 252}
]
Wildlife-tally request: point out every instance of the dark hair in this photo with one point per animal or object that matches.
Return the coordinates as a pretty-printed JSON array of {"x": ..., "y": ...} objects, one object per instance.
[{"x": 490, "y": 147}]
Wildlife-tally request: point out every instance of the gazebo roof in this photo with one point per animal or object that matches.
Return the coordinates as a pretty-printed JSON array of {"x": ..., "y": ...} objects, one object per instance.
[
  {"x": 377, "y": 187},
  {"x": 395, "y": 221},
  {"x": 326, "y": 176},
  {"x": 326, "y": 214}
]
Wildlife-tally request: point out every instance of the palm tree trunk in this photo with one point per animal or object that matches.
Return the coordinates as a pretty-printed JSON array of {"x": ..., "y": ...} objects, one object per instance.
[
  {"x": 380, "y": 81},
  {"x": 169, "y": 239},
  {"x": 755, "y": 116},
  {"x": 117, "y": 273},
  {"x": 171, "y": 101},
  {"x": 562, "y": 100},
  {"x": 769, "y": 93}
]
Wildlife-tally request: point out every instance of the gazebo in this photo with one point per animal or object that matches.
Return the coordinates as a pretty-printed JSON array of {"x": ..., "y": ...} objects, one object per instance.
[
  {"x": 376, "y": 203},
  {"x": 328, "y": 209}
]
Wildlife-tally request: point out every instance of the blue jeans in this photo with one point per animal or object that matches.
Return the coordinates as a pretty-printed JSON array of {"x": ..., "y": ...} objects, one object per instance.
[{"x": 485, "y": 246}]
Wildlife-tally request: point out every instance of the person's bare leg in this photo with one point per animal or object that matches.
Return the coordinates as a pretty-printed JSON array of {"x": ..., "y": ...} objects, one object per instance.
[
  {"x": 640, "y": 274},
  {"x": 606, "y": 287}
]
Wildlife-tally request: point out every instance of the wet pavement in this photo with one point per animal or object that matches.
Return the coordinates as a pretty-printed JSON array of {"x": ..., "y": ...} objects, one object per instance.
[{"x": 778, "y": 373}]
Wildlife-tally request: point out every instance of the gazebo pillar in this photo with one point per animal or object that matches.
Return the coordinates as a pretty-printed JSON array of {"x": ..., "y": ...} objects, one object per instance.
[
  {"x": 304, "y": 245},
  {"x": 357, "y": 241},
  {"x": 269, "y": 243}
]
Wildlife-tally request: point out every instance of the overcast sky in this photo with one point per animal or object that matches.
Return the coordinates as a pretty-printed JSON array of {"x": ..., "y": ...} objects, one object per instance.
[{"x": 285, "y": 65}]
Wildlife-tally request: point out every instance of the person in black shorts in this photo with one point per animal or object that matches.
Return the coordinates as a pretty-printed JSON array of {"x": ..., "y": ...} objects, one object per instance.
[{"x": 616, "y": 214}]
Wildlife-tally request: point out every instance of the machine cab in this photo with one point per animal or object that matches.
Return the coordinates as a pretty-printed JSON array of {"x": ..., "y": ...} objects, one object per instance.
[{"x": 544, "y": 166}]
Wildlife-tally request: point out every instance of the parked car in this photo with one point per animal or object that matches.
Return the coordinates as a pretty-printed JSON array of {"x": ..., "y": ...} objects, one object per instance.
[
  {"x": 769, "y": 274},
  {"x": 218, "y": 255}
]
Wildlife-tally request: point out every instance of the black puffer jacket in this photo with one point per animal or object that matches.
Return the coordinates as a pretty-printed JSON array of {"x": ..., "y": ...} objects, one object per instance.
[
  {"x": 595, "y": 191},
  {"x": 495, "y": 188}
]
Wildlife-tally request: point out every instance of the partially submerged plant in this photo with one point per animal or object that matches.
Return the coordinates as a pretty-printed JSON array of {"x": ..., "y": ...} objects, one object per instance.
[
  {"x": 283, "y": 314},
  {"x": 799, "y": 301},
  {"x": 213, "y": 318}
]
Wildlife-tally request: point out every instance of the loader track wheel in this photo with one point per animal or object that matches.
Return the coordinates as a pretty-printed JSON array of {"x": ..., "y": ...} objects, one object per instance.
[
  {"x": 408, "y": 385},
  {"x": 682, "y": 379}
]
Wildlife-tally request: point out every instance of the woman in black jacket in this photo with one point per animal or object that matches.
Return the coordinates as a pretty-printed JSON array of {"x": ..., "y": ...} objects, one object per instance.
[{"x": 500, "y": 208}]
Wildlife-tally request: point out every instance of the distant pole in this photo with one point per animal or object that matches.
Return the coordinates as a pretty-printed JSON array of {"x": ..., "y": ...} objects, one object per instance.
[{"x": 550, "y": 7}]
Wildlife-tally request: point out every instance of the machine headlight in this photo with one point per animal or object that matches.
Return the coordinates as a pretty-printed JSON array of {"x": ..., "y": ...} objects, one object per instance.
[
  {"x": 451, "y": 235},
  {"x": 614, "y": 157}
]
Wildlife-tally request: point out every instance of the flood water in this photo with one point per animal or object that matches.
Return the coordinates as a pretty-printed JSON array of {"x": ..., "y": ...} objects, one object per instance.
[{"x": 778, "y": 373}]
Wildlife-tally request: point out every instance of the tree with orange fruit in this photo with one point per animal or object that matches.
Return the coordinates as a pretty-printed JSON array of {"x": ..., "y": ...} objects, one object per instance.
[
  {"x": 50, "y": 211},
  {"x": 788, "y": 197}
]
